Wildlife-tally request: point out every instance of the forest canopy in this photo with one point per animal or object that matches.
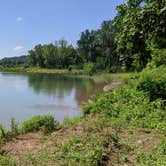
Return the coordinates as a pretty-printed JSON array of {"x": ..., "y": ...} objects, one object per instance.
[{"x": 126, "y": 43}]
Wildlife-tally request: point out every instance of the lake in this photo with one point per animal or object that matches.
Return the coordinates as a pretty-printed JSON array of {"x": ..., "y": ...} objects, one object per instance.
[{"x": 23, "y": 96}]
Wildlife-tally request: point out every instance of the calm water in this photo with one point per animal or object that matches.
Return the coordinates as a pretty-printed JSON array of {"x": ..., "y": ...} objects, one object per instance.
[{"x": 25, "y": 95}]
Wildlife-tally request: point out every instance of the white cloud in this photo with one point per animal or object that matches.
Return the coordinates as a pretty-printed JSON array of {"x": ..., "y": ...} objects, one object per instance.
[
  {"x": 19, "y": 48},
  {"x": 19, "y": 19}
]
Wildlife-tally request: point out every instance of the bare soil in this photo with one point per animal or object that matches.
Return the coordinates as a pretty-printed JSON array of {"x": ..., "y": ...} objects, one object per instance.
[{"x": 33, "y": 143}]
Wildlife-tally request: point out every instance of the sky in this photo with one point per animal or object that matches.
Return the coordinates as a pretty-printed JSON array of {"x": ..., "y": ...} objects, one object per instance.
[{"x": 25, "y": 23}]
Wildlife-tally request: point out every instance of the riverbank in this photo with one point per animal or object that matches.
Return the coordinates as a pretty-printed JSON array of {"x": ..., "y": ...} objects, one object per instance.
[
  {"x": 119, "y": 127},
  {"x": 89, "y": 140},
  {"x": 40, "y": 70},
  {"x": 98, "y": 76}
]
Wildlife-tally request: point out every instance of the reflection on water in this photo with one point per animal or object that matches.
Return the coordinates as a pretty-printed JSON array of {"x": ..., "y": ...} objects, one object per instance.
[
  {"x": 25, "y": 95},
  {"x": 61, "y": 86}
]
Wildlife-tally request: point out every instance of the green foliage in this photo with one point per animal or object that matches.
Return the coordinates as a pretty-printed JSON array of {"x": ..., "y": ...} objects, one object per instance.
[
  {"x": 2, "y": 132},
  {"x": 70, "y": 68},
  {"x": 59, "y": 55},
  {"x": 125, "y": 43},
  {"x": 14, "y": 127},
  {"x": 129, "y": 106},
  {"x": 12, "y": 69},
  {"x": 7, "y": 161},
  {"x": 153, "y": 82},
  {"x": 86, "y": 46},
  {"x": 44, "y": 123},
  {"x": 7, "y": 134},
  {"x": 22, "y": 61},
  {"x": 89, "y": 68},
  {"x": 99, "y": 47},
  {"x": 96, "y": 46},
  {"x": 70, "y": 122},
  {"x": 129, "y": 43},
  {"x": 158, "y": 58},
  {"x": 137, "y": 34},
  {"x": 156, "y": 157},
  {"x": 83, "y": 151}
]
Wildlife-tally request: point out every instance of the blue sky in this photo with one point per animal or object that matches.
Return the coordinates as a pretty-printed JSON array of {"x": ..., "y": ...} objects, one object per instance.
[{"x": 25, "y": 23}]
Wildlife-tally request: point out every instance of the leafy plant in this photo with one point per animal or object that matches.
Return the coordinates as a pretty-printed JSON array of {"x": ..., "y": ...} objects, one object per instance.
[
  {"x": 89, "y": 68},
  {"x": 3, "y": 133},
  {"x": 130, "y": 106},
  {"x": 153, "y": 82},
  {"x": 83, "y": 151},
  {"x": 46, "y": 123},
  {"x": 14, "y": 127}
]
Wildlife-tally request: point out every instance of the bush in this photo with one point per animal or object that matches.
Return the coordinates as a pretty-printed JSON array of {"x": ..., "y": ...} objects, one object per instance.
[
  {"x": 129, "y": 106},
  {"x": 89, "y": 68},
  {"x": 70, "y": 68},
  {"x": 45, "y": 123},
  {"x": 153, "y": 82},
  {"x": 158, "y": 58}
]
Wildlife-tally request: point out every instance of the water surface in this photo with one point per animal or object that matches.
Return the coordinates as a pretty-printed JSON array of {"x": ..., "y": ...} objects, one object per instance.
[{"x": 25, "y": 95}]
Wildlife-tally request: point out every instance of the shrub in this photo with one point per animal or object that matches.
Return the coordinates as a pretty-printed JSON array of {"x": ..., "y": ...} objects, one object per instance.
[
  {"x": 153, "y": 82},
  {"x": 45, "y": 123},
  {"x": 158, "y": 58},
  {"x": 70, "y": 68},
  {"x": 130, "y": 106},
  {"x": 89, "y": 68}
]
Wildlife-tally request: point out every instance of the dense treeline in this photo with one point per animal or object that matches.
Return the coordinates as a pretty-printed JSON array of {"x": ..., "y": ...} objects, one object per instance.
[
  {"x": 59, "y": 55},
  {"x": 15, "y": 61},
  {"x": 126, "y": 43},
  {"x": 97, "y": 48}
]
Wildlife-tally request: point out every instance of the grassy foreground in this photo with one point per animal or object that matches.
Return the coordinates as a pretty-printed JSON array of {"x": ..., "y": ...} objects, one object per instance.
[
  {"x": 87, "y": 141},
  {"x": 124, "y": 126}
]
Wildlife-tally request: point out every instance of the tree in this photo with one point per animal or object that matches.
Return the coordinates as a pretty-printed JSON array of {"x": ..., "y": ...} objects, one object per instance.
[
  {"x": 137, "y": 34},
  {"x": 86, "y": 45},
  {"x": 33, "y": 59},
  {"x": 108, "y": 45},
  {"x": 39, "y": 55},
  {"x": 58, "y": 55},
  {"x": 50, "y": 56},
  {"x": 129, "y": 38}
]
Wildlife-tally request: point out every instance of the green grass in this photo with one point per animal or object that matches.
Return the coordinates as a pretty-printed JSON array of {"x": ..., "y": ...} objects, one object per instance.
[
  {"x": 98, "y": 77},
  {"x": 40, "y": 70},
  {"x": 87, "y": 151},
  {"x": 156, "y": 157}
]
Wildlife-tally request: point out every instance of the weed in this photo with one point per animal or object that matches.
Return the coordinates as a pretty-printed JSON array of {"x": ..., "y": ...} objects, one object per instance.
[{"x": 44, "y": 123}]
